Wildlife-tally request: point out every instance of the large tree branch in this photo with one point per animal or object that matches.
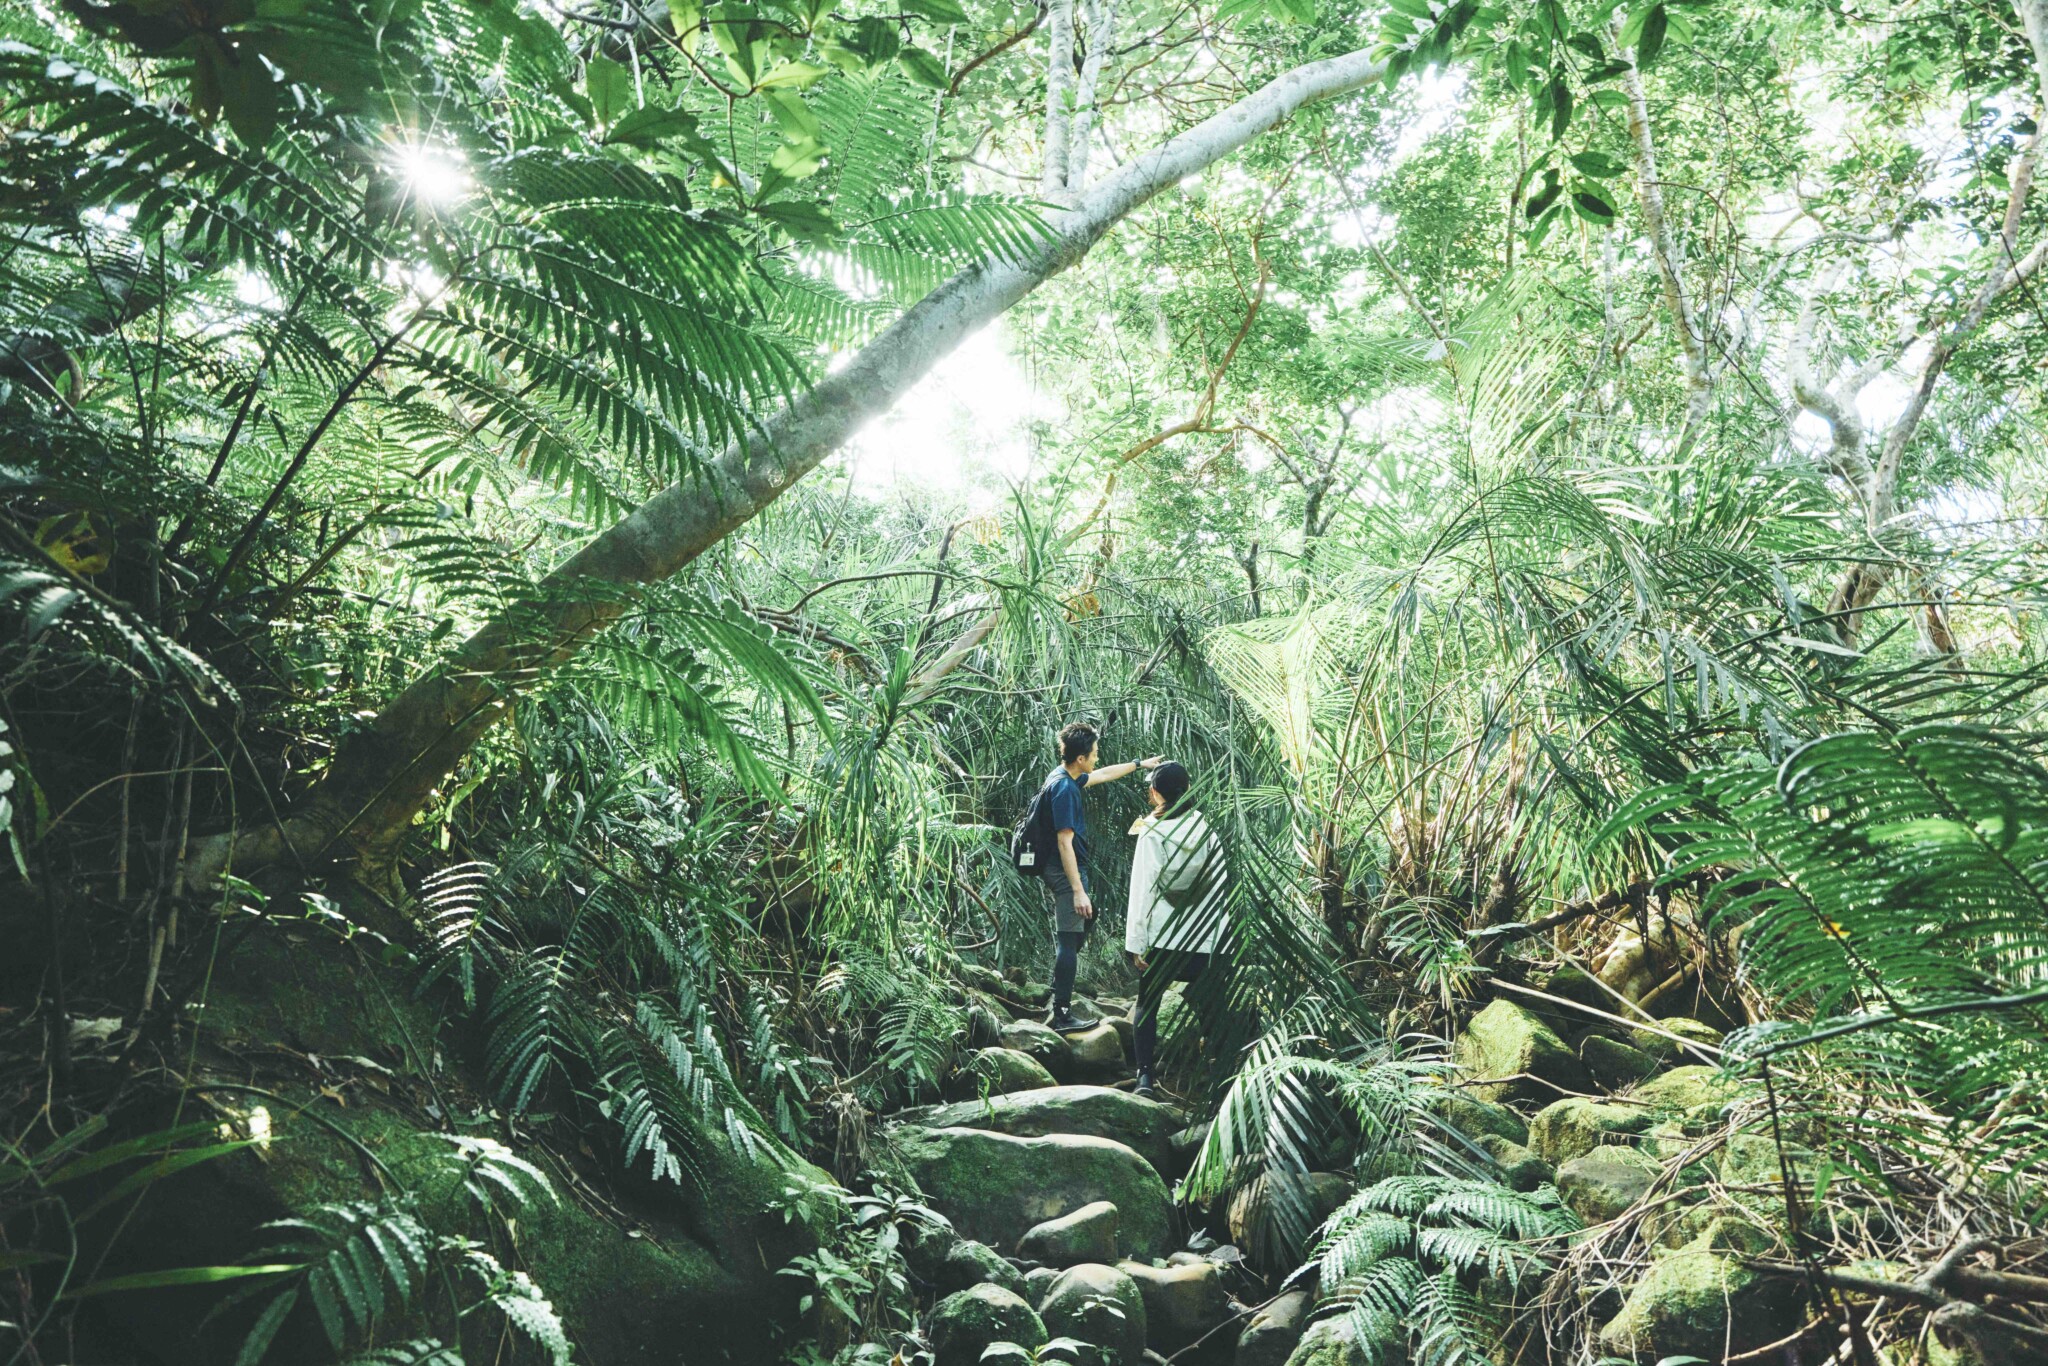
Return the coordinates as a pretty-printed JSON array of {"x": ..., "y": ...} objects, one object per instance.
[{"x": 386, "y": 774}]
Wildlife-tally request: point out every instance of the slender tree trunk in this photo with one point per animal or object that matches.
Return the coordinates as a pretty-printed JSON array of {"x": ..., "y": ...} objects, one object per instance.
[
  {"x": 386, "y": 774},
  {"x": 1692, "y": 342},
  {"x": 1059, "y": 78},
  {"x": 1862, "y": 583},
  {"x": 1101, "y": 33}
]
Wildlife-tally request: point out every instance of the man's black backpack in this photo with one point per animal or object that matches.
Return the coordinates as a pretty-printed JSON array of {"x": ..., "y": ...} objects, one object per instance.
[{"x": 1032, "y": 846}]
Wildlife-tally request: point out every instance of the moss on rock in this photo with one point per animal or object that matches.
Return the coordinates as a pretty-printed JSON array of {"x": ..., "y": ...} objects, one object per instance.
[
  {"x": 998, "y": 1072},
  {"x": 963, "y": 1325},
  {"x": 1513, "y": 1055},
  {"x": 1702, "y": 1301},
  {"x": 1099, "y": 1305},
  {"x": 1145, "y": 1126},
  {"x": 1576, "y": 1126},
  {"x": 996, "y": 1187}
]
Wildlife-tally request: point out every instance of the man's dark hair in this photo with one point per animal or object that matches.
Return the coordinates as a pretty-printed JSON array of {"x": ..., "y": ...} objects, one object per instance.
[
  {"x": 1171, "y": 782},
  {"x": 1076, "y": 740}
]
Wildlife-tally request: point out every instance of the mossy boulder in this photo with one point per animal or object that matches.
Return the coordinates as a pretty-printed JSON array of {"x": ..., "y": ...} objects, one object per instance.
[
  {"x": 1576, "y": 1126},
  {"x": 997, "y": 1072},
  {"x": 1472, "y": 1116},
  {"x": 1039, "y": 1042},
  {"x": 1088, "y": 1234},
  {"x": 1573, "y": 983},
  {"x": 1098, "y": 1054},
  {"x": 1685, "y": 1089},
  {"x": 1145, "y": 1126},
  {"x": 1702, "y": 1300},
  {"x": 1101, "y": 1305},
  {"x": 1519, "y": 1165},
  {"x": 963, "y": 1325},
  {"x": 691, "y": 1260},
  {"x": 1273, "y": 1215},
  {"x": 1271, "y": 1334},
  {"x": 1614, "y": 1065},
  {"x": 1334, "y": 1342},
  {"x": 970, "y": 1263},
  {"x": 997, "y": 1187},
  {"x": 1603, "y": 1183},
  {"x": 1660, "y": 1044},
  {"x": 1511, "y": 1055},
  {"x": 1183, "y": 1304}
]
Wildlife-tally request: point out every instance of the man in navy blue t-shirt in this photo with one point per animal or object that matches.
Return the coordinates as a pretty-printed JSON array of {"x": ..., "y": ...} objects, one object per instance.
[{"x": 1066, "y": 878}]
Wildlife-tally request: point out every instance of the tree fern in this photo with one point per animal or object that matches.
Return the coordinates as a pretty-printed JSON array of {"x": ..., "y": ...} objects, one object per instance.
[
  {"x": 1407, "y": 1256},
  {"x": 1890, "y": 891}
]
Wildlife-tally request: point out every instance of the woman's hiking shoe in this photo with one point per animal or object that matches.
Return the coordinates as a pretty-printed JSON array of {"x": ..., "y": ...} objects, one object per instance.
[
  {"x": 1144, "y": 1089},
  {"x": 1066, "y": 1022}
]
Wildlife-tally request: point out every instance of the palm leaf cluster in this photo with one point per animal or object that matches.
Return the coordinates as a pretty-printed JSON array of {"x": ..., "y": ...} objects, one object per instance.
[{"x": 1886, "y": 892}]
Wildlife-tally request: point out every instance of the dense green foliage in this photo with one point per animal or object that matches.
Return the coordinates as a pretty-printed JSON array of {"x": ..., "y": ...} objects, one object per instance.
[{"x": 1591, "y": 476}]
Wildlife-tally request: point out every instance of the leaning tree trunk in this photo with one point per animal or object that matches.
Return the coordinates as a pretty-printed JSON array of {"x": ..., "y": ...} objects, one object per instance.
[{"x": 385, "y": 775}]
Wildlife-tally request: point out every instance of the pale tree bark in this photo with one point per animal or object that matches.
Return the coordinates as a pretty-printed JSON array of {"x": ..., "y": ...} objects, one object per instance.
[
  {"x": 2007, "y": 270},
  {"x": 1692, "y": 341},
  {"x": 1059, "y": 80},
  {"x": 1101, "y": 33},
  {"x": 386, "y": 774}
]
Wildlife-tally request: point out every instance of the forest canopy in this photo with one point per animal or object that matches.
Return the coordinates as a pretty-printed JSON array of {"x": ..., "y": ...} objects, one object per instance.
[{"x": 547, "y": 545}]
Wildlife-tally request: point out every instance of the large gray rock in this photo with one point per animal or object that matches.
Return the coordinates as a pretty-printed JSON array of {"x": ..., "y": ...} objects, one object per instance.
[
  {"x": 1472, "y": 1116},
  {"x": 1692, "y": 1088},
  {"x": 1037, "y": 1281},
  {"x": 1039, "y": 1041},
  {"x": 962, "y": 1326},
  {"x": 1334, "y": 1342},
  {"x": 1614, "y": 1065},
  {"x": 1274, "y": 1215},
  {"x": 1145, "y": 1126},
  {"x": 997, "y": 1072},
  {"x": 1576, "y": 1126},
  {"x": 1183, "y": 1304},
  {"x": 1100, "y": 1305},
  {"x": 1086, "y": 1235},
  {"x": 1511, "y": 1054},
  {"x": 1702, "y": 1301},
  {"x": 968, "y": 1264},
  {"x": 1604, "y": 1183},
  {"x": 996, "y": 1187},
  {"x": 1098, "y": 1054},
  {"x": 1271, "y": 1335},
  {"x": 1519, "y": 1165},
  {"x": 1659, "y": 1044}
]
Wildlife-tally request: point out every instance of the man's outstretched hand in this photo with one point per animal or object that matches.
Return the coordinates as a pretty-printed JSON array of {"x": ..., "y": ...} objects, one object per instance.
[{"x": 1149, "y": 764}]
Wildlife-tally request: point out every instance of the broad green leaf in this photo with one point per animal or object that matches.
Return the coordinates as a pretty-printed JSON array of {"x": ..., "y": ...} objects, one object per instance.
[
  {"x": 1656, "y": 24},
  {"x": 938, "y": 11},
  {"x": 1560, "y": 107},
  {"x": 183, "y": 1275},
  {"x": 1597, "y": 164},
  {"x": 1590, "y": 205},
  {"x": 923, "y": 68},
  {"x": 792, "y": 76},
  {"x": 650, "y": 126},
  {"x": 609, "y": 85}
]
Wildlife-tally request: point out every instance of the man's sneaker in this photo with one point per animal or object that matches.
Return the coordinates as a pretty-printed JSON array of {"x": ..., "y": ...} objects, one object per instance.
[
  {"x": 1066, "y": 1022},
  {"x": 1144, "y": 1089}
]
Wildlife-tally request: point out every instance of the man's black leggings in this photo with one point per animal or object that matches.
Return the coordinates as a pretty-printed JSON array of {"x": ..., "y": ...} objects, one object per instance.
[{"x": 1066, "y": 957}]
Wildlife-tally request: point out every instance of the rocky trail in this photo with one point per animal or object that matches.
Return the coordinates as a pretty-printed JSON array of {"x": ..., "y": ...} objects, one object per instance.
[{"x": 1066, "y": 1243}]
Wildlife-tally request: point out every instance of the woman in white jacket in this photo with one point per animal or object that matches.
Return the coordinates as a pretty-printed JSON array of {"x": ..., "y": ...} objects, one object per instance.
[{"x": 1176, "y": 922}]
